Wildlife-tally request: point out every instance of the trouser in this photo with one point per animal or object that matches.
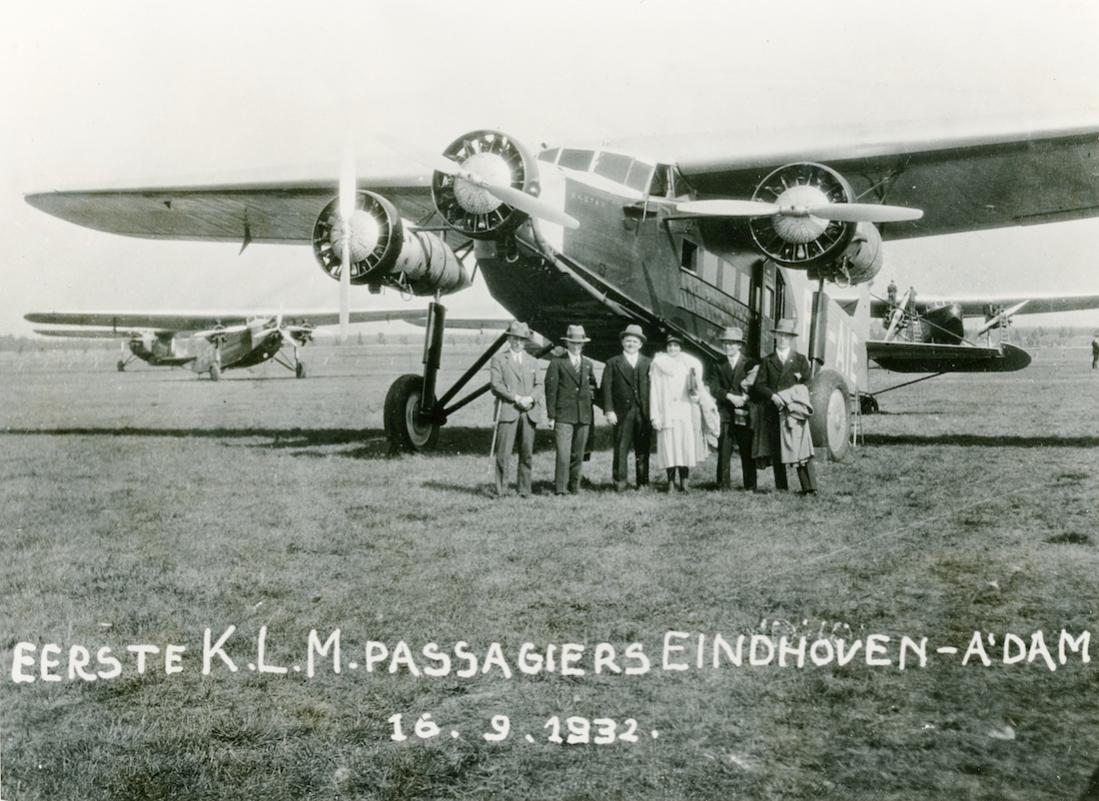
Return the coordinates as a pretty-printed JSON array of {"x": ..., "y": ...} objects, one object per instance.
[
  {"x": 571, "y": 439},
  {"x": 743, "y": 438},
  {"x": 633, "y": 432},
  {"x": 806, "y": 473},
  {"x": 1094, "y": 359},
  {"x": 505, "y": 441}
]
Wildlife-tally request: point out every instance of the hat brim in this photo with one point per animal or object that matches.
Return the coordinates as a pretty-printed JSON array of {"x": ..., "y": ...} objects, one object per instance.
[
  {"x": 741, "y": 340},
  {"x": 625, "y": 334},
  {"x": 581, "y": 341},
  {"x": 784, "y": 331}
]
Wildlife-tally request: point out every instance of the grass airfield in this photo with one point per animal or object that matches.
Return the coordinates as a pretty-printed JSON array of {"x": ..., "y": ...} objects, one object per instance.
[{"x": 147, "y": 506}]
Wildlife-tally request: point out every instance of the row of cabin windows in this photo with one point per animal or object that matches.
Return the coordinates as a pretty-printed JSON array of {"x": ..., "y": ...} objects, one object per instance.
[
  {"x": 615, "y": 167},
  {"x": 733, "y": 280}
]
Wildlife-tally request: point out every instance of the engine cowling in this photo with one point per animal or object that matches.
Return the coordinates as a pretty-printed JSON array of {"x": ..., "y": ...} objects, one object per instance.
[
  {"x": 471, "y": 209},
  {"x": 385, "y": 250},
  {"x": 860, "y": 261},
  {"x": 802, "y": 241}
]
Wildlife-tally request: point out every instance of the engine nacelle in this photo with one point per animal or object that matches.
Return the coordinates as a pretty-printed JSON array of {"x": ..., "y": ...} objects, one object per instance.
[
  {"x": 471, "y": 209},
  {"x": 385, "y": 249},
  {"x": 860, "y": 261}
]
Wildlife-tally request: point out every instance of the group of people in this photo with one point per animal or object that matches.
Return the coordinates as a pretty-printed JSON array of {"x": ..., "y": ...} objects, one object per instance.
[{"x": 760, "y": 409}]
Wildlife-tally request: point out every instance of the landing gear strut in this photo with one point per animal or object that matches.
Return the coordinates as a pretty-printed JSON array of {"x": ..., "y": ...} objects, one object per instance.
[
  {"x": 298, "y": 366},
  {"x": 413, "y": 415}
]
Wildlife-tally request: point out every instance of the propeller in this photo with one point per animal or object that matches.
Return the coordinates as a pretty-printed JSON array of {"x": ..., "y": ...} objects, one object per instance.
[
  {"x": 346, "y": 209},
  {"x": 898, "y": 313},
  {"x": 841, "y": 212},
  {"x": 1000, "y": 318},
  {"x": 493, "y": 177}
]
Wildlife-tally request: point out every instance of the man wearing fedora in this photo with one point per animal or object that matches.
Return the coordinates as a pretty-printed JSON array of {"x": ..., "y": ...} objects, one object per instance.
[
  {"x": 729, "y": 385},
  {"x": 514, "y": 378},
  {"x": 626, "y": 402},
  {"x": 780, "y": 371},
  {"x": 570, "y": 393}
]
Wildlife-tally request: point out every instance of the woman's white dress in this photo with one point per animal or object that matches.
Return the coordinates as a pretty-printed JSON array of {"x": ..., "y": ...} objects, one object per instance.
[{"x": 677, "y": 421}]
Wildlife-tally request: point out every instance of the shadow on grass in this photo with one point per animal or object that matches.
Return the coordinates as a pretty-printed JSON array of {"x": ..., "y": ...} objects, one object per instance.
[{"x": 981, "y": 441}]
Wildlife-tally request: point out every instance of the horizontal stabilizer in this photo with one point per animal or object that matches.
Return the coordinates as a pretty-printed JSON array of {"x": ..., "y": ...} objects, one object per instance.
[{"x": 921, "y": 357}]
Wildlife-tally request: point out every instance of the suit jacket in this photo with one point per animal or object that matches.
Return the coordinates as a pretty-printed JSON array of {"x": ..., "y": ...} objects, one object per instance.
[
  {"x": 626, "y": 387},
  {"x": 510, "y": 379},
  {"x": 569, "y": 395},
  {"x": 774, "y": 376},
  {"x": 724, "y": 379}
]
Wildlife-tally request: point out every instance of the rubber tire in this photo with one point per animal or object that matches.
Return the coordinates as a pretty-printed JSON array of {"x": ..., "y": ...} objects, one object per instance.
[
  {"x": 215, "y": 372},
  {"x": 830, "y": 424},
  {"x": 121, "y": 366},
  {"x": 401, "y": 403},
  {"x": 299, "y": 370}
]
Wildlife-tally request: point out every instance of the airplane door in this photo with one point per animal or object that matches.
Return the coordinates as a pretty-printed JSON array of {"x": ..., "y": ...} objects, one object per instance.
[{"x": 761, "y": 302}]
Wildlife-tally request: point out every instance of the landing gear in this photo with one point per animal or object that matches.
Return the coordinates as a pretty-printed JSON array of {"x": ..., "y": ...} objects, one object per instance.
[
  {"x": 413, "y": 415},
  {"x": 868, "y": 404},
  {"x": 121, "y": 366},
  {"x": 299, "y": 370},
  {"x": 215, "y": 372},
  {"x": 297, "y": 367},
  {"x": 830, "y": 424}
]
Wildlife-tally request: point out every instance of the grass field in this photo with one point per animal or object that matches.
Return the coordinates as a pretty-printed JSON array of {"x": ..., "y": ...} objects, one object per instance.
[{"x": 145, "y": 507}]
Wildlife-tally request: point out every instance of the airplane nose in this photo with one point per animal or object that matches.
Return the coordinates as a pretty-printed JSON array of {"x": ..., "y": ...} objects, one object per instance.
[{"x": 364, "y": 235}]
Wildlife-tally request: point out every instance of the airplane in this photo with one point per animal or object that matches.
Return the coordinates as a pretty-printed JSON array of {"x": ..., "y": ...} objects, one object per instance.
[
  {"x": 685, "y": 235},
  {"x": 235, "y": 339}
]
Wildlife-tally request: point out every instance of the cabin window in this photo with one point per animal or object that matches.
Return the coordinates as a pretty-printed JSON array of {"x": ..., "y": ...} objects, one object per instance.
[
  {"x": 689, "y": 257},
  {"x": 549, "y": 155},
  {"x": 576, "y": 159},
  {"x": 743, "y": 286},
  {"x": 613, "y": 166},
  {"x": 709, "y": 267},
  {"x": 727, "y": 277},
  {"x": 769, "y": 301},
  {"x": 640, "y": 175}
]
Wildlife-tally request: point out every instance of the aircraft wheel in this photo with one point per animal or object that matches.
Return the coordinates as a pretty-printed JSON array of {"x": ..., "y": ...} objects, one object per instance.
[
  {"x": 868, "y": 404},
  {"x": 121, "y": 366},
  {"x": 299, "y": 370},
  {"x": 403, "y": 426},
  {"x": 215, "y": 372},
  {"x": 830, "y": 424}
]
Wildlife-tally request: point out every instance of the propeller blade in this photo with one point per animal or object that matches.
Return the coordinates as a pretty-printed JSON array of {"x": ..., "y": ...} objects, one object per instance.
[
  {"x": 727, "y": 208},
  {"x": 348, "y": 188},
  {"x": 532, "y": 205},
  {"x": 865, "y": 212}
]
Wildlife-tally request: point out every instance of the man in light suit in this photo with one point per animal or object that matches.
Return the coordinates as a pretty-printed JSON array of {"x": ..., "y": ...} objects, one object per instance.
[
  {"x": 570, "y": 393},
  {"x": 726, "y": 385},
  {"x": 626, "y": 403},
  {"x": 514, "y": 377},
  {"x": 778, "y": 371}
]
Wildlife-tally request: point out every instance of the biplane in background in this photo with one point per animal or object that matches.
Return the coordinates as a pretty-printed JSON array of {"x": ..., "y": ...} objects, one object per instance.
[
  {"x": 702, "y": 233},
  {"x": 227, "y": 340}
]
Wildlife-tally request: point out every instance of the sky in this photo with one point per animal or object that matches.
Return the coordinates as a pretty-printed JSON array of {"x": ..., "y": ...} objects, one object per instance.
[{"x": 107, "y": 93}]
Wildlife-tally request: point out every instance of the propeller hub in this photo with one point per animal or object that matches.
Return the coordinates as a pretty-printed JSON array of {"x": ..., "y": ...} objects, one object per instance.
[
  {"x": 489, "y": 168},
  {"x": 361, "y": 230},
  {"x": 794, "y": 223}
]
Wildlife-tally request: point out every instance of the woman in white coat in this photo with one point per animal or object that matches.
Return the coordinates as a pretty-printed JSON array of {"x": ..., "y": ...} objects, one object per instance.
[{"x": 675, "y": 384}]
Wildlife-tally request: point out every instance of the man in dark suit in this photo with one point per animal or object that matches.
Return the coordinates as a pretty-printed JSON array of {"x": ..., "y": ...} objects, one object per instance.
[
  {"x": 570, "y": 392},
  {"x": 778, "y": 371},
  {"x": 514, "y": 378},
  {"x": 727, "y": 387},
  {"x": 626, "y": 402}
]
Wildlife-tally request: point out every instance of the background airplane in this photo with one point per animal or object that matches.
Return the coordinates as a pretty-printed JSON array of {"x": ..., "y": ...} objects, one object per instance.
[
  {"x": 234, "y": 339},
  {"x": 737, "y": 231}
]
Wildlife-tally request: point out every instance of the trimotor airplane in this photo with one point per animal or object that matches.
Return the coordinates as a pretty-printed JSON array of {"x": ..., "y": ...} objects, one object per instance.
[
  {"x": 704, "y": 233},
  {"x": 233, "y": 339}
]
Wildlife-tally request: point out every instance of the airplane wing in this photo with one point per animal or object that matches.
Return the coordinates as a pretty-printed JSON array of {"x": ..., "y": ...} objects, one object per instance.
[
  {"x": 921, "y": 357},
  {"x": 122, "y": 322},
  {"x": 963, "y": 179},
  {"x": 101, "y": 333},
  {"x": 976, "y": 307}
]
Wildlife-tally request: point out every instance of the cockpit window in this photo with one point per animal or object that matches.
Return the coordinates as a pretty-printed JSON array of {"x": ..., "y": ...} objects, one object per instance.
[
  {"x": 613, "y": 166},
  {"x": 576, "y": 159},
  {"x": 639, "y": 176},
  {"x": 549, "y": 155}
]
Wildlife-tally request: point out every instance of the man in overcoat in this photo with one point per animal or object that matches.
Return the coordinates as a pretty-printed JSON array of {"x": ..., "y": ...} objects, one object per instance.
[
  {"x": 514, "y": 378},
  {"x": 625, "y": 392},
  {"x": 781, "y": 370},
  {"x": 570, "y": 393},
  {"x": 727, "y": 387}
]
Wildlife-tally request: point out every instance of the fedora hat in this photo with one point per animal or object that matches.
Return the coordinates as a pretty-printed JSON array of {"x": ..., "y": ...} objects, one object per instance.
[
  {"x": 785, "y": 326},
  {"x": 518, "y": 329},
  {"x": 732, "y": 334},
  {"x": 633, "y": 331},
  {"x": 575, "y": 333}
]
